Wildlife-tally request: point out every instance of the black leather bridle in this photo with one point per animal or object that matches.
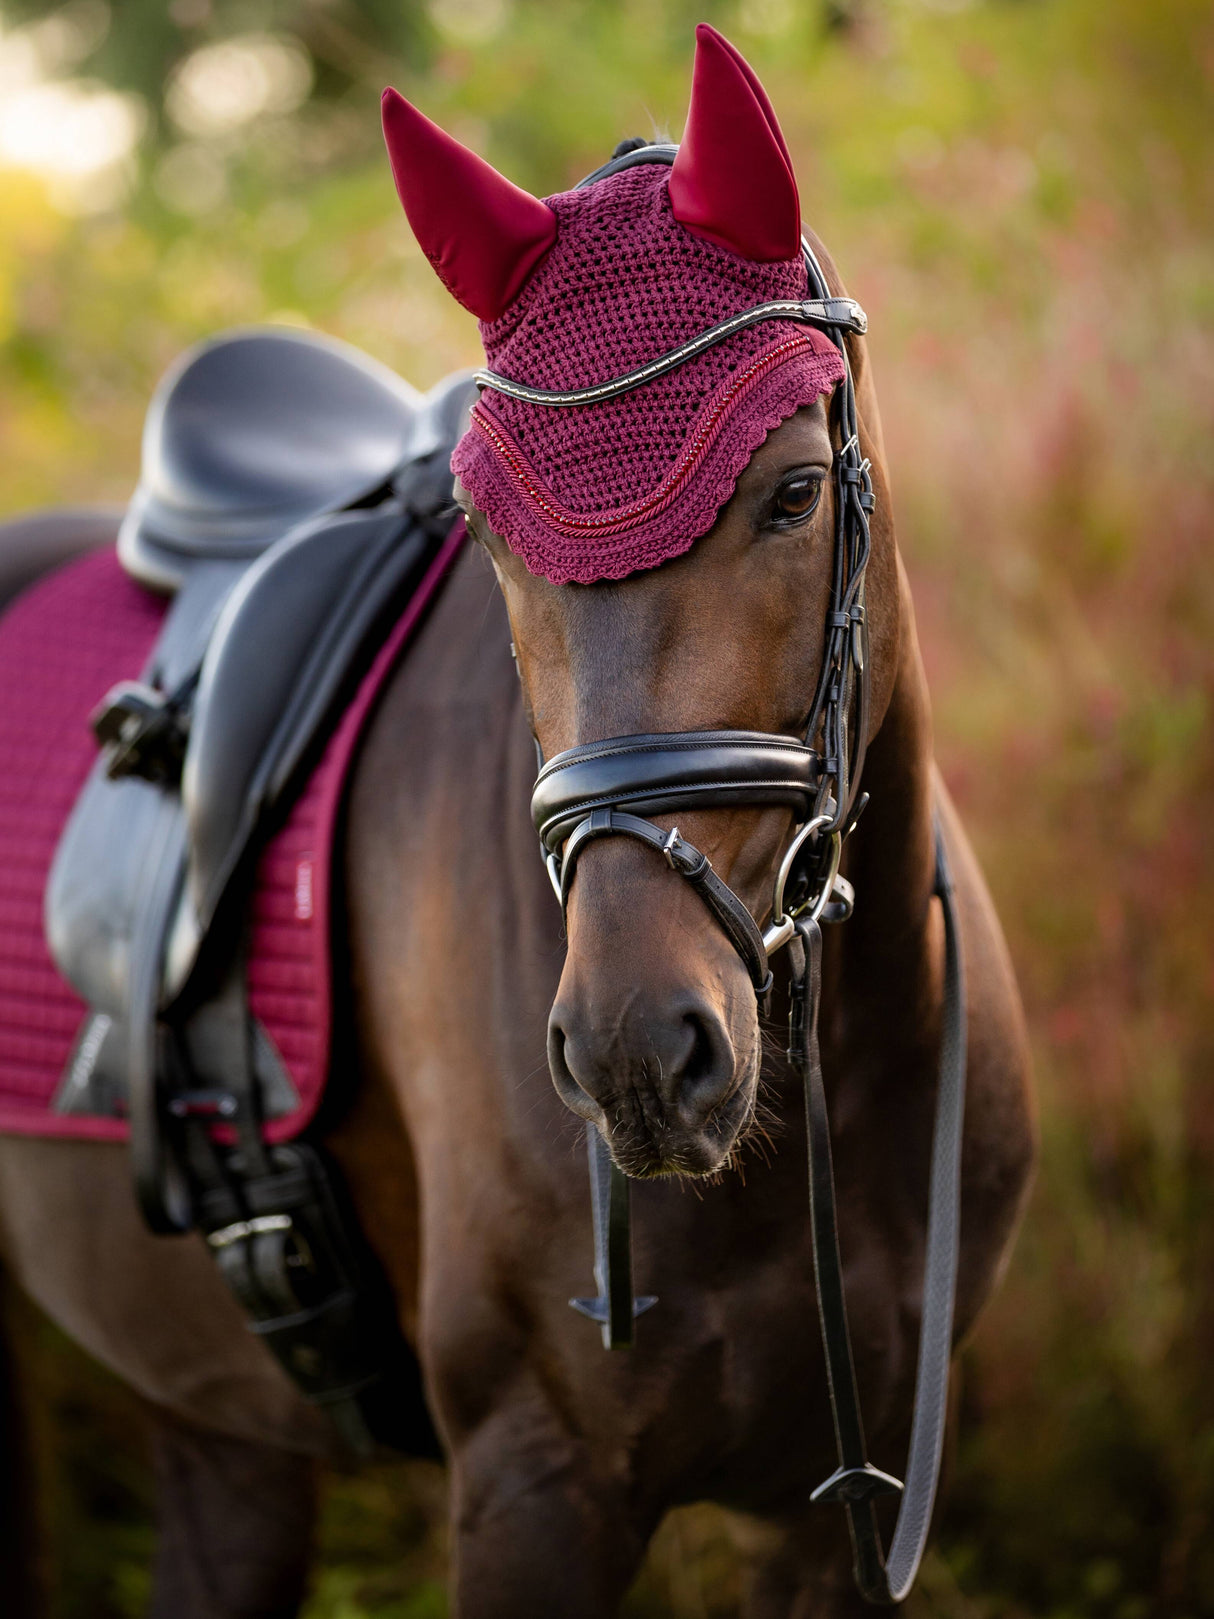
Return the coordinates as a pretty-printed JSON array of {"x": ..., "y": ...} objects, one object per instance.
[
  {"x": 610, "y": 788},
  {"x": 595, "y": 790}
]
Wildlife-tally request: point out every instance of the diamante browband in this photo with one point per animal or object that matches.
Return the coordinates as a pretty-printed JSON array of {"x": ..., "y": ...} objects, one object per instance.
[{"x": 837, "y": 313}]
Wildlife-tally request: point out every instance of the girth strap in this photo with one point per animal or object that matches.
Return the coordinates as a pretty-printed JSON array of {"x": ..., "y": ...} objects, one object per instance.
[
  {"x": 856, "y": 1482},
  {"x": 739, "y": 926}
]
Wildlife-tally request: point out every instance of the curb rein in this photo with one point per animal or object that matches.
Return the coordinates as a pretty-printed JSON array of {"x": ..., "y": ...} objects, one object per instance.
[{"x": 594, "y": 790}]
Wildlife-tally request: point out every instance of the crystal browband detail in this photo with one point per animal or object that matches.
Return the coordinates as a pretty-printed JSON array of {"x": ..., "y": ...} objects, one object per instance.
[
  {"x": 623, "y": 518},
  {"x": 840, "y": 313}
]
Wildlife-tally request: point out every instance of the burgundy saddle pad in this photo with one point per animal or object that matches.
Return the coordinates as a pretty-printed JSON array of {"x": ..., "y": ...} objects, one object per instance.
[{"x": 63, "y": 644}]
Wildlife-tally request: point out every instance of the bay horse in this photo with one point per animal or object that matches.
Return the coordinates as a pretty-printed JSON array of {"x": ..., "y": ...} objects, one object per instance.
[{"x": 462, "y": 1154}]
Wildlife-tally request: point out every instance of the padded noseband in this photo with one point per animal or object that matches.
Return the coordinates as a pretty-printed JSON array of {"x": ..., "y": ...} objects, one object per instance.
[
  {"x": 587, "y": 792},
  {"x": 681, "y": 770}
]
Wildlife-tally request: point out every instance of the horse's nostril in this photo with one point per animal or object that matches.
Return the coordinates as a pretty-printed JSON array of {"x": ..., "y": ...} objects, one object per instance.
[
  {"x": 677, "y": 1061},
  {"x": 701, "y": 1059},
  {"x": 568, "y": 1087},
  {"x": 706, "y": 1076}
]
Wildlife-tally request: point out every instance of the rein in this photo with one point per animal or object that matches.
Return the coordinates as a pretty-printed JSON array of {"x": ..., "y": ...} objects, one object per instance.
[{"x": 596, "y": 791}]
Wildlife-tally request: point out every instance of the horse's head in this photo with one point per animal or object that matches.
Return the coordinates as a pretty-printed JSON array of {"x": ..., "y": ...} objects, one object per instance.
[
  {"x": 654, "y": 1033},
  {"x": 681, "y": 554}
]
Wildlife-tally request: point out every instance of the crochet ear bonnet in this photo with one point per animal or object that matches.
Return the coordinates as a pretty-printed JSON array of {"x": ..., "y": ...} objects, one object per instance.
[{"x": 593, "y": 284}]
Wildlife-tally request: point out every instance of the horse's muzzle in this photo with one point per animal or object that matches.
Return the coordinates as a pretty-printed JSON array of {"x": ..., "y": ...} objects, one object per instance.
[{"x": 667, "y": 1085}]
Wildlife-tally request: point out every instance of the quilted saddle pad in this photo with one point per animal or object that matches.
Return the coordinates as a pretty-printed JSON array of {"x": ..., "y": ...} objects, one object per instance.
[{"x": 63, "y": 644}]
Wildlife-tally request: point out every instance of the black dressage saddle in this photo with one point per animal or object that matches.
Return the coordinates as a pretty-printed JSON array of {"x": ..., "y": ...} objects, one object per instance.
[
  {"x": 256, "y": 432},
  {"x": 292, "y": 493}
]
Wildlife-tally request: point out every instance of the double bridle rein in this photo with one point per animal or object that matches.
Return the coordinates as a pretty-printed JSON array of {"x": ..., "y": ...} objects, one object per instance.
[{"x": 610, "y": 788}]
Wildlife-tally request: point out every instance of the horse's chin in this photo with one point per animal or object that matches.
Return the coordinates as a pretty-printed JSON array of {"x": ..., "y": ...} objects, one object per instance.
[{"x": 648, "y": 1144}]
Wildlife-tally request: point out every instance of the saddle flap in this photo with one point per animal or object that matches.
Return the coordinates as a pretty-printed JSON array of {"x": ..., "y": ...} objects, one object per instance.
[
  {"x": 120, "y": 853},
  {"x": 125, "y": 837},
  {"x": 252, "y": 433},
  {"x": 286, "y": 648}
]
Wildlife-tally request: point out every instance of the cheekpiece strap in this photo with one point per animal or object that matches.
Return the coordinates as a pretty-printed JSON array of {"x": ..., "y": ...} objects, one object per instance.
[{"x": 837, "y": 314}]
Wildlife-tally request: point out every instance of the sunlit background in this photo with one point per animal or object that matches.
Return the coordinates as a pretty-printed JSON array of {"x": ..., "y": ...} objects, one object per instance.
[{"x": 1019, "y": 192}]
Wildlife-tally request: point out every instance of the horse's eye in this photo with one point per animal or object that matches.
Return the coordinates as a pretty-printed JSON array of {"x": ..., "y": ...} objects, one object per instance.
[{"x": 797, "y": 497}]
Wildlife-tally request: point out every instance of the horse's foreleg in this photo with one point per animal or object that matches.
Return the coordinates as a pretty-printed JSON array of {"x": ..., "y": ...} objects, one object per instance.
[
  {"x": 236, "y": 1523},
  {"x": 537, "y": 1533}
]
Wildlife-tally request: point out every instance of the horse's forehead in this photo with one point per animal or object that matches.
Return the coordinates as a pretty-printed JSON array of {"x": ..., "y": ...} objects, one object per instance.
[
  {"x": 707, "y": 618},
  {"x": 602, "y": 490}
]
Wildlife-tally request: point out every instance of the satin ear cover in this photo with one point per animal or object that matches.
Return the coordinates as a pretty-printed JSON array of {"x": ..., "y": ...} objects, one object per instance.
[
  {"x": 483, "y": 235},
  {"x": 732, "y": 181}
]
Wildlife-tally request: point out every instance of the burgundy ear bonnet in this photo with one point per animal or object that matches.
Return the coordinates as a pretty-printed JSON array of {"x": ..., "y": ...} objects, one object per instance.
[{"x": 595, "y": 283}]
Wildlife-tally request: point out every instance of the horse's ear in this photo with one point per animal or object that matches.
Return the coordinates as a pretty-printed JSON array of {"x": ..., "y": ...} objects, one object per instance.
[
  {"x": 483, "y": 235},
  {"x": 732, "y": 180}
]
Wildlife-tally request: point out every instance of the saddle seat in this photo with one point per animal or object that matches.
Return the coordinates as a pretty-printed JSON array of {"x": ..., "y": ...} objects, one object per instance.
[{"x": 252, "y": 433}]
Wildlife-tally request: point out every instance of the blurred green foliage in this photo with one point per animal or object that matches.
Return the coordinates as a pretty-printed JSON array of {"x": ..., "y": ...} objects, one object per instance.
[{"x": 1020, "y": 194}]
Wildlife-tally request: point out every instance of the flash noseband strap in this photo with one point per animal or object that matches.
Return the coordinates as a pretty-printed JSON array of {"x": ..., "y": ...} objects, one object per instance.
[{"x": 835, "y": 313}]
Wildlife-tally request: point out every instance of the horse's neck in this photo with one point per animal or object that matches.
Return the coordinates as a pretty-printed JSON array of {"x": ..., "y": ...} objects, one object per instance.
[{"x": 885, "y": 952}]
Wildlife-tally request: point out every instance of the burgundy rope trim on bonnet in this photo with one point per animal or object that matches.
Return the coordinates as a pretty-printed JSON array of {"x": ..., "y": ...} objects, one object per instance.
[{"x": 627, "y": 516}]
